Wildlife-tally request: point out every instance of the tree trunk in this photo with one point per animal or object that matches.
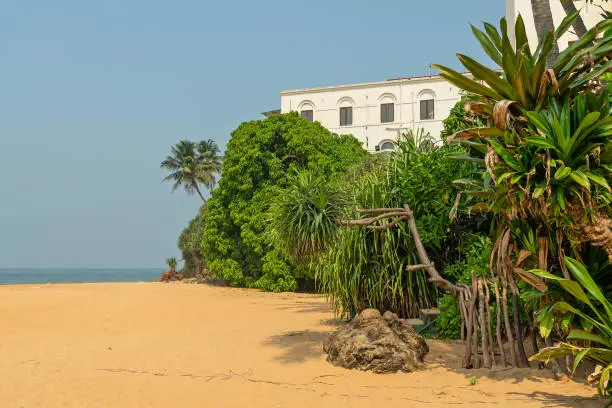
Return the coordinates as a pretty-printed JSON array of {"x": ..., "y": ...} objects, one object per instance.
[
  {"x": 500, "y": 343},
  {"x": 486, "y": 356},
  {"x": 518, "y": 331},
  {"x": 467, "y": 358},
  {"x": 556, "y": 367},
  {"x": 579, "y": 27},
  {"x": 508, "y": 326},
  {"x": 543, "y": 20},
  {"x": 197, "y": 188},
  {"x": 489, "y": 333}
]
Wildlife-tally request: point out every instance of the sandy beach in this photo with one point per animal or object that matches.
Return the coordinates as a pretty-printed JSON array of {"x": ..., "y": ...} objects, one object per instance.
[{"x": 174, "y": 345}]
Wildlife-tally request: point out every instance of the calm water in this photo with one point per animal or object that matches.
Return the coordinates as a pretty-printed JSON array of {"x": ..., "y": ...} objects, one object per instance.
[{"x": 15, "y": 276}]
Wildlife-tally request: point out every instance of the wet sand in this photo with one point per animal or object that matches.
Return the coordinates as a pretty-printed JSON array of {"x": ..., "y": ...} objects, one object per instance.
[{"x": 173, "y": 345}]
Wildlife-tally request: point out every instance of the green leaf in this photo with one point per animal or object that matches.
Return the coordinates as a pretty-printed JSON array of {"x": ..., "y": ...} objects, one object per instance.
[
  {"x": 491, "y": 77},
  {"x": 493, "y": 35},
  {"x": 488, "y": 45},
  {"x": 586, "y": 336},
  {"x": 572, "y": 287},
  {"x": 539, "y": 190},
  {"x": 583, "y": 79},
  {"x": 465, "y": 83},
  {"x": 516, "y": 179},
  {"x": 504, "y": 176},
  {"x": 581, "y": 274},
  {"x": 483, "y": 132},
  {"x": 562, "y": 172},
  {"x": 566, "y": 307},
  {"x": 539, "y": 142},
  {"x": 539, "y": 121},
  {"x": 560, "y": 196},
  {"x": 605, "y": 378},
  {"x": 566, "y": 24},
  {"x": 599, "y": 180},
  {"x": 580, "y": 178},
  {"x": 522, "y": 42},
  {"x": 461, "y": 156},
  {"x": 579, "y": 358},
  {"x": 547, "y": 320},
  {"x": 506, "y": 156}
]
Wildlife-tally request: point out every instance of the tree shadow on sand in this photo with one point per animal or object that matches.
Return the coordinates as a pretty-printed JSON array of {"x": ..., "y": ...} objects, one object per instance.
[
  {"x": 299, "y": 346},
  {"x": 557, "y": 400},
  {"x": 449, "y": 356}
]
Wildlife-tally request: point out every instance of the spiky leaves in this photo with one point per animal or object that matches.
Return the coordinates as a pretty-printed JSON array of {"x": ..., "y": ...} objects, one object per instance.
[{"x": 595, "y": 311}]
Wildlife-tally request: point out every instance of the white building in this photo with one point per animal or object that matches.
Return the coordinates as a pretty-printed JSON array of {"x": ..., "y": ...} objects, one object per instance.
[
  {"x": 541, "y": 16},
  {"x": 376, "y": 113}
]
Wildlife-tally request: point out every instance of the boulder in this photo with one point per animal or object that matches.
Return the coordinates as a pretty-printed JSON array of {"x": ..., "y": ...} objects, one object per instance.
[{"x": 371, "y": 342}]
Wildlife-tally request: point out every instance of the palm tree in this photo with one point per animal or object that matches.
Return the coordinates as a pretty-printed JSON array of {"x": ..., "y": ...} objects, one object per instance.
[
  {"x": 543, "y": 19},
  {"x": 192, "y": 164}
]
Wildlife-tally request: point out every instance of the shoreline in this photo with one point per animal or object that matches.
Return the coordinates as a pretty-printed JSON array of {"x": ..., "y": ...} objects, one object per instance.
[{"x": 192, "y": 346}]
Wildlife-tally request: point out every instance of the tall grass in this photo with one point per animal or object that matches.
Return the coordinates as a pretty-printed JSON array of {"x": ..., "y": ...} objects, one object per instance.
[{"x": 362, "y": 268}]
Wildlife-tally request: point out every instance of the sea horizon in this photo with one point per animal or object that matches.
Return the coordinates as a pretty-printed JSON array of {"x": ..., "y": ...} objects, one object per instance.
[{"x": 16, "y": 276}]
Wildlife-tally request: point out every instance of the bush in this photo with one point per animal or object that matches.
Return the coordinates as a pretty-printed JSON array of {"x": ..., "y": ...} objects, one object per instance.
[
  {"x": 190, "y": 244},
  {"x": 258, "y": 159},
  {"x": 365, "y": 268}
]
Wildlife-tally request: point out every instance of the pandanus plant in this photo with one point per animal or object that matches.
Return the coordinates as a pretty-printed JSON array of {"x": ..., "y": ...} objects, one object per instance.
[
  {"x": 595, "y": 314},
  {"x": 547, "y": 146},
  {"x": 545, "y": 150}
]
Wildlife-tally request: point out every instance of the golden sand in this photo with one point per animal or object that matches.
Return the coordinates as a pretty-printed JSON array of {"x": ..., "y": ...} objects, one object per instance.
[{"x": 173, "y": 345}]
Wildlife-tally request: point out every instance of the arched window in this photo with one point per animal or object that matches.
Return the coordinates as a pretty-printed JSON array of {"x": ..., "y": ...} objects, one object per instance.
[
  {"x": 427, "y": 102},
  {"x": 306, "y": 109},
  {"x": 346, "y": 111},
  {"x": 387, "y": 107},
  {"x": 387, "y": 145}
]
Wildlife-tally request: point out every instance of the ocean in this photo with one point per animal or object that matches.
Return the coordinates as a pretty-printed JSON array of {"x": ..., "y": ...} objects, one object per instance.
[{"x": 77, "y": 275}]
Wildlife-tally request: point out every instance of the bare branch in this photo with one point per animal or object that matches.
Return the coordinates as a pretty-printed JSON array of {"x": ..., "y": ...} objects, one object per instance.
[
  {"x": 411, "y": 268},
  {"x": 378, "y": 210},
  {"x": 386, "y": 226},
  {"x": 368, "y": 221}
]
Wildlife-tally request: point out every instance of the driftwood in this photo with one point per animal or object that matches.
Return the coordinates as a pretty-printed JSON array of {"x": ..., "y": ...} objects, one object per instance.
[{"x": 473, "y": 301}]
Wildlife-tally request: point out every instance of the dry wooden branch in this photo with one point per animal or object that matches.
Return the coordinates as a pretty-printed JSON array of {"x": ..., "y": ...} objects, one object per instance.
[
  {"x": 464, "y": 293},
  {"x": 377, "y": 210},
  {"x": 372, "y": 220},
  {"x": 386, "y": 226},
  {"x": 410, "y": 268}
]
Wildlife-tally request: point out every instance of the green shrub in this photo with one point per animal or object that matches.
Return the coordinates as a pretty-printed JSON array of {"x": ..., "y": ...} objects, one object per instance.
[
  {"x": 259, "y": 156},
  {"x": 189, "y": 243},
  {"x": 364, "y": 268}
]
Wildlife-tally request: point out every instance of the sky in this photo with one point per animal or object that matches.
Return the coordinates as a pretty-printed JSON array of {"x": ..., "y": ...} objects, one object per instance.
[{"x": 93, "y": 94}]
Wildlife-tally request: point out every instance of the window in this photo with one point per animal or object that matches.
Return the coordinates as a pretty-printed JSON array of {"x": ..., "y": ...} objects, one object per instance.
[
  {"x": 387, "y": 112},
  {"x": 307, "y": 114},
  {"x": 427, "y": 109},
  {"x": 346, "y": 116},
  {"x": 387, "y": 146}
]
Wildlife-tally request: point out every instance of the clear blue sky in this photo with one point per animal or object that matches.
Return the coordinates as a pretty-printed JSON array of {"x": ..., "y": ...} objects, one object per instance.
[{"x": 92, "y": 95}]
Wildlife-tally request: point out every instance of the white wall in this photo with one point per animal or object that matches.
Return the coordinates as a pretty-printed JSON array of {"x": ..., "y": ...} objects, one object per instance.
[
  {"x": 590, "y": 13},
  {"x": 366, "y": 100}
]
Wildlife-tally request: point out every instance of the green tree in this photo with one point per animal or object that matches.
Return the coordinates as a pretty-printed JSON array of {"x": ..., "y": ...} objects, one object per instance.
[
  {"x": 260, "y": 155},
  {"x": 191, "y": 164},
  {"x": 190, "y": 244}
]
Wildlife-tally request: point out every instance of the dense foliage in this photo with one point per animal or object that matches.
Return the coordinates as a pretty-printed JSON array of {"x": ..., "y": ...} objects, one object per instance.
[
  {"x": 259, "y": 158},
  {"x": 365, "y": 268},
  {"x": 190, "y": 245},
  {"x": 545, "y": 150},
  {"x": 474, "y": 256}
]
